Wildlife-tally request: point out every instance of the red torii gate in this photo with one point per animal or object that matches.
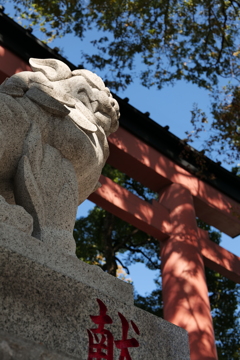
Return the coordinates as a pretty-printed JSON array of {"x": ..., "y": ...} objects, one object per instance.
[{"x": 184, "y": 248}]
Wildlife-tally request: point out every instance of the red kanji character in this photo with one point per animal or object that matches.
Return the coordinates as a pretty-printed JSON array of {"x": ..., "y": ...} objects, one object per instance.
[
  {"x": 100, "y": 339},
  {"x": 126, "y": 343}
]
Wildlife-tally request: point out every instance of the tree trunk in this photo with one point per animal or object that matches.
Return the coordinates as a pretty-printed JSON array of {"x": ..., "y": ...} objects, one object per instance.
[{"x": 111, "y": 265}]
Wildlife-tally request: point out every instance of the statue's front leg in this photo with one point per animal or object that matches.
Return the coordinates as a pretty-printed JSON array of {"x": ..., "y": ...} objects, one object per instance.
[
  {"x": 60, "y": 196},
  {"x": 46, "y": 186},
  {"x": 10, "y": 214}
]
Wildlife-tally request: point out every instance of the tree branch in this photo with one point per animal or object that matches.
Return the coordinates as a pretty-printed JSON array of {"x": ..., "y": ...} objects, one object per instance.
[
  {"x": 141, "y": 252},
  {"x": 121, "y": 244},
  {"x": 125, "y": 267}
]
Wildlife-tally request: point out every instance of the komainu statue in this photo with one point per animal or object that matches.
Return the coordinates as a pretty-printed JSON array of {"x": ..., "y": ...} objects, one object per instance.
[{"x": 54, "y": 124}]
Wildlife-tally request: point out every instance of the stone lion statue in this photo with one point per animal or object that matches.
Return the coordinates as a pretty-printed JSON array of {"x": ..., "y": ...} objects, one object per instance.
[{"x": 54, "y": 124}]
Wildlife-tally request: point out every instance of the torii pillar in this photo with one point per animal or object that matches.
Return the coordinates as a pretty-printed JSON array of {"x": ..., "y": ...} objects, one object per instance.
[{"x": 185, "y": 293}]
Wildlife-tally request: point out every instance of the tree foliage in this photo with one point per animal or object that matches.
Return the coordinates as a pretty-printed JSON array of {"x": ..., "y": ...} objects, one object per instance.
[
  {"x": 224, "y": 130},
  {"x": 152, "y": 302},
  {"x": 195, "y": 40}
]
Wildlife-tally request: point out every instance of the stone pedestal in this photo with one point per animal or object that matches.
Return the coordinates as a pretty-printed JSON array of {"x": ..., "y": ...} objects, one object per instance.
[{"x": 53, "y": 306}]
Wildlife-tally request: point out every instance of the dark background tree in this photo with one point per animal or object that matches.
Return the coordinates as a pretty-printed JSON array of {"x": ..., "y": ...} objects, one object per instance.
[{"x": 101, "y": 236}]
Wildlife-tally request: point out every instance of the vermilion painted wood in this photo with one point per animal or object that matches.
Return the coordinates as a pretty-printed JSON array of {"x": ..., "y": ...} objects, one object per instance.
[
  {"x": 219, "y": 259},
  {"x": 139, "y": 213},
  {"x": 185, "y": 293},
  {"x": 130, "y": 208},
  {"x": 10, "y": 64},
  {"x": 154, "y": 170},
  {"x": 151, "y": 218}
]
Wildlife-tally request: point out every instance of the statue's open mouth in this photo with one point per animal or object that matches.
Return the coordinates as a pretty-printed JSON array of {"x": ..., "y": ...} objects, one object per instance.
[
  {"x": 87, "y": 120},
  {"x": 89, "y": 115}
]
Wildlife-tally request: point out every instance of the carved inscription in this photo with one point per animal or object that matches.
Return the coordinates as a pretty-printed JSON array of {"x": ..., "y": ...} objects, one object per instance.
[{"x": 101, "y": 340}]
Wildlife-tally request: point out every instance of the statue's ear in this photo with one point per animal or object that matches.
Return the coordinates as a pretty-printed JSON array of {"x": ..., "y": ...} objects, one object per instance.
[
  {"x": 47, "y": 102},
  {"x": 53, "y": 69}
]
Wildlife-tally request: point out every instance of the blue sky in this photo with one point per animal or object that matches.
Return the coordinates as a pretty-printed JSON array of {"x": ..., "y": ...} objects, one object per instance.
[{"x": 170, "y": 106}]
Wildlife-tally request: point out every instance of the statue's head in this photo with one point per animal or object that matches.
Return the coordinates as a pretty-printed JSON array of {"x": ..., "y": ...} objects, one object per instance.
[
  {"x": 79, "y": 89},
  {"x": 76, "y": 97}
]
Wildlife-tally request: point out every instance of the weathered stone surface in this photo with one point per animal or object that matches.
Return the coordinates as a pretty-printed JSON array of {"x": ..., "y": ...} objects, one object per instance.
[
  {"x": 15, "y": 348},
  {"x": 50, "y": 256},
  {"x": 54, "y": 125},
  {"x": 16, "y": 216},
  {"x": 47, "y": 298}
]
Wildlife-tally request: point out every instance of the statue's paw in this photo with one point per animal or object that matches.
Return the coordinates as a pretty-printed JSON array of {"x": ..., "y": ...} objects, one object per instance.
[{"x": 16, "y": 216}]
